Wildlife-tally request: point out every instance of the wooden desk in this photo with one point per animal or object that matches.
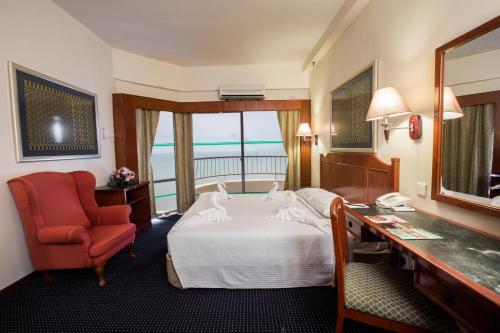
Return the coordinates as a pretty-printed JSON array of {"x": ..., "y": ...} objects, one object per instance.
[
  {"x": 137, "y": 196},
  {"x": 460, "y": 273}
]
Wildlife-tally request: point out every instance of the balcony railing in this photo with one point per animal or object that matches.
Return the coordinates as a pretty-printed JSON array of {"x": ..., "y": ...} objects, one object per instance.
[
  {"x": 222, "y": 166},
  {"x": 270, "y": 167}
]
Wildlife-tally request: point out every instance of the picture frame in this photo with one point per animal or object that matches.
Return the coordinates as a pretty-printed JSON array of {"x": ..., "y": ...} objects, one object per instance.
[
  {"x": 349, "y": 103},
  {"x": 52, "y": 120}
]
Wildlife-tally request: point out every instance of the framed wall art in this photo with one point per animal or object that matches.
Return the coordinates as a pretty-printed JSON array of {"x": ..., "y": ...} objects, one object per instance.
[
  {"x": 349, "y": 130},
  {"x": 52, "y": 119}
]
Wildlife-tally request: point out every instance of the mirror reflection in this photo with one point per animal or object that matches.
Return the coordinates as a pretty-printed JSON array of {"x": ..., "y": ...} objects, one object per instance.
[{"x": 471, "y": 126}]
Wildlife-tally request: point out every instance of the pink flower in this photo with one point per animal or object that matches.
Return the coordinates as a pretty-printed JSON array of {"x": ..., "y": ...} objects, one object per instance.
[{"x": 123, "y": 173}]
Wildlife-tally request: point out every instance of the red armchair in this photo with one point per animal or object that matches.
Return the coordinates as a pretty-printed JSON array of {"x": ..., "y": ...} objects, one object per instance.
[{"x": 64, "y": 227}]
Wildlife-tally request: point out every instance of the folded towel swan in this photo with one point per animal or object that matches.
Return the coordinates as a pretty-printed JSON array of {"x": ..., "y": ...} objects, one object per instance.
[
  {"x": 216, "y": 214},
  {"x": 223, "y": 190},
  {"x": 274, "y": 194},
  {"x": 290, "y": 212}
]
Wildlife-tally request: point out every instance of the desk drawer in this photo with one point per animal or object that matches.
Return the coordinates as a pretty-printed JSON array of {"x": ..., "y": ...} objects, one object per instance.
[
  {"x": 458, "y": 300},
  {"x": 354, "y": 228},
  {"x": 358, "y": 231}
]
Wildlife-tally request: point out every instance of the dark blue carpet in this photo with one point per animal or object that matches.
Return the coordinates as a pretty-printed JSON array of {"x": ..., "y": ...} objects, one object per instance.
[{"x": 138, "y": 298}]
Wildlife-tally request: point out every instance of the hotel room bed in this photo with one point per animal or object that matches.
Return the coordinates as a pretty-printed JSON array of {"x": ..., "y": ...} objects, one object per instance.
[
  {"x": 255, "y": 251},
  {"x": 252, "y": 250}
]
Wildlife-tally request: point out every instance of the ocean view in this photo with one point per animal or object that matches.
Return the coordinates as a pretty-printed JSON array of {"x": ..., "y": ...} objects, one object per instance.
[{"x": 217, "y": 151}]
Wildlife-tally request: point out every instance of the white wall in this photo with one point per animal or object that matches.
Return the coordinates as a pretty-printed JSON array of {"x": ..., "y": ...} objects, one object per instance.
[
  {"x": 403, "y": 36},
  {"x": 39, "y": 35},
  {"x": 473, "y": 74},
  {"x": 138, "y": 75}
]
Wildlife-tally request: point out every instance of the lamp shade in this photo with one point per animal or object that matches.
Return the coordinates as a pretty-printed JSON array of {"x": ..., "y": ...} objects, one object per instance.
[
  {"x": 386, "y": 102},
  {"x": 304, "y": 130},
  {"x": 451, "y": 108}
]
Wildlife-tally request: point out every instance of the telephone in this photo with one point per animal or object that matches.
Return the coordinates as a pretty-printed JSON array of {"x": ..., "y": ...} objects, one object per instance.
[{"x": 391, "y": 200}]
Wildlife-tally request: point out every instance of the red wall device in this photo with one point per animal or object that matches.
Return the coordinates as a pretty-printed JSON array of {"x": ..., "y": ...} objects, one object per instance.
[{"x": 415, "y": 127}]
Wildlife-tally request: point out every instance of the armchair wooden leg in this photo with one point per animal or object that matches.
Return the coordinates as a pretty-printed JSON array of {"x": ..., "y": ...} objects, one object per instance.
[
  {"x": 47, "y": 278},
  {"x": 131, "y": 250},
  {"x": 99, "y": 270}
]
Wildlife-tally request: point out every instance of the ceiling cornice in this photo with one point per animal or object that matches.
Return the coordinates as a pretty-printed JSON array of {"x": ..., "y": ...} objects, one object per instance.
[{"x": 347, "y": 13}]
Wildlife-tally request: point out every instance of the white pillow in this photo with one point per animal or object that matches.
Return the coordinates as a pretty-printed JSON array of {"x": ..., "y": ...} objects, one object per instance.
[
  {"x": 319, "y": 199},
  {"x": 309, "y": 192}
]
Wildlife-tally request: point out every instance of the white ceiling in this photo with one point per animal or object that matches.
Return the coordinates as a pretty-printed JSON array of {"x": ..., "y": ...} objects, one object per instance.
[{"x": 208, "y": 32}]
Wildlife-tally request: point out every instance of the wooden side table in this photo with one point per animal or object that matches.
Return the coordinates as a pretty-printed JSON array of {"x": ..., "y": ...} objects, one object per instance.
[{"x": 137, "y": 196}]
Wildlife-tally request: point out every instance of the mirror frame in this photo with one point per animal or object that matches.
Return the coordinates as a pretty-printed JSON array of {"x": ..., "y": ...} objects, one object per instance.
[{"x": 436, "y": 193}]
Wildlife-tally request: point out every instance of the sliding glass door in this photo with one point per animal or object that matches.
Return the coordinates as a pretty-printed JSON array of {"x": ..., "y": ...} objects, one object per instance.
[
  {"x": 217, "y": 151},
  {"x": 242, "y": 150},
  {"x": 163, "y": 164},
  {"x": 265, "y": 156}
]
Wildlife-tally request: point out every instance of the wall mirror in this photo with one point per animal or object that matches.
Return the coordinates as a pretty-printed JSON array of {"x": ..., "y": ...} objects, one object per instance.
[{"x": 466, "y": 159}]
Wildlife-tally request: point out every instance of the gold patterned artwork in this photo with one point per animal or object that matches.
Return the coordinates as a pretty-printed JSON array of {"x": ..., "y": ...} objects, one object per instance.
[
  {"x": 54, "y": 120},
  {"x": 350, "y": 103}
]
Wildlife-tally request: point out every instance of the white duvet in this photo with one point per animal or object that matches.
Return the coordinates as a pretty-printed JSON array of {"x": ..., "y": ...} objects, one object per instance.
[{"x": 252, "y": 249}]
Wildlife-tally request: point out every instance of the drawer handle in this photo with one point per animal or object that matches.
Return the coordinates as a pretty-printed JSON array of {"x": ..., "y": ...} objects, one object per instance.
[
  {"x": 349, "y": 224},
  {"x": 448, "y": 297}
]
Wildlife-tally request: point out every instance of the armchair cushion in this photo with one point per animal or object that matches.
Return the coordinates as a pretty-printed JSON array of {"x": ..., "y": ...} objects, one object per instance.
[
  {"x": 63, "y": 234},
  {"x": 105, "y": 237},
  {"x": 109, "y": 215}
]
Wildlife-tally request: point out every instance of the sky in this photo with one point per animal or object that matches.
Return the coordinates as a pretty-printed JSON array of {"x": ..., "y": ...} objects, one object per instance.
[{"x": 213, "y": 127}]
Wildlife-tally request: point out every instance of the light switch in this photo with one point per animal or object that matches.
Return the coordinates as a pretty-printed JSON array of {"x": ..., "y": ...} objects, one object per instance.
[
  {"x": 422, "y": 189},
  {"x": 107, "y": 133}
]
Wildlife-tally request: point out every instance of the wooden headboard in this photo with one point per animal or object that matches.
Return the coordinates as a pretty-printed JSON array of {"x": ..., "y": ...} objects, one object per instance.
[{"x": 358, "y": 177}]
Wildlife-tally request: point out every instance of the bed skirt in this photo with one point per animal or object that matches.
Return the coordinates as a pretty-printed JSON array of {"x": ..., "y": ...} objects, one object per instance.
[{"x": 171, "y": 273}]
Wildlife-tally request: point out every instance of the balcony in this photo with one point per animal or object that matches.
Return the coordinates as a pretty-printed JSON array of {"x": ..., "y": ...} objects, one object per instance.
[{"x": 259, "y": 174}]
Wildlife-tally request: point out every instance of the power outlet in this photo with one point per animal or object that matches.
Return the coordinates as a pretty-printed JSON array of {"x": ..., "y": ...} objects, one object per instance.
[{"x": 422, "y": 189}]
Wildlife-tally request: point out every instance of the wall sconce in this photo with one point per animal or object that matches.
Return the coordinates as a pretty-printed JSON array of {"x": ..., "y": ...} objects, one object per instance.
[
  {"x": 387, "y": 103},
  {"x": 451, "y": 108},
  {"x": 305, "y": 132}
]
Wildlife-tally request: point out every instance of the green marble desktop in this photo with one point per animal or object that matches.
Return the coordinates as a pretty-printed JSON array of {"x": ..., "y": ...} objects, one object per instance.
[{"x": 475, "y": 255}]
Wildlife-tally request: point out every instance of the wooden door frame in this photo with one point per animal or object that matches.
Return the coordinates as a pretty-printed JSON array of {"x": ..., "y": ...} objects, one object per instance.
[{"x": 124, "y": 106}]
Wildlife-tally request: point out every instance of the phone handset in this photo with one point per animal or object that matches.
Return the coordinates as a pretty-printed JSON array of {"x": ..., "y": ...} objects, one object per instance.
[{"x": 390, "y": 200}]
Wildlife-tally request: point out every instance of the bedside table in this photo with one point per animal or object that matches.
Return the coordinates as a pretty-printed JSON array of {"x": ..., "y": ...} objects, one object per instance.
[{"x": 137, "y": 196}]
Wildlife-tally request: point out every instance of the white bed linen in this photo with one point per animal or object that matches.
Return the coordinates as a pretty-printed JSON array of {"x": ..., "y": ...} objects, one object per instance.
[{"x": 252, "y": 250}]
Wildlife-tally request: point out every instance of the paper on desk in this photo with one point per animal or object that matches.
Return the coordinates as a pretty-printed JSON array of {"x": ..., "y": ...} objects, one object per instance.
[
  {"x": 413, "y": 233},
  {"x": 380, "y": 219},
  {"x": 357, "y": 206}
]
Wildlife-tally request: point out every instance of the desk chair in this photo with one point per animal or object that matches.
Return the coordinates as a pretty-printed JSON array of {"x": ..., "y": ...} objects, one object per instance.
[{"x": 379, "y": 295}]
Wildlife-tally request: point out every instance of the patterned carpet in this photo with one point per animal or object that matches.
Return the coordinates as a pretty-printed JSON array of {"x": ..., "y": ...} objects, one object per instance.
[{"x": 138, "y": 298}]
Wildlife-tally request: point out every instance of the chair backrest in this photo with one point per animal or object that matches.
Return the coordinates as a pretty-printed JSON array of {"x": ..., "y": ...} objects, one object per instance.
[
  {"x": 48, "y": 199},
  {"x": 339, "y": 233},
  {"x": 85, "y": 186}
]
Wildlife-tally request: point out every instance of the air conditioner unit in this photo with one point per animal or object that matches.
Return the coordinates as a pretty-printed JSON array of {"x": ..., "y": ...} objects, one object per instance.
[{"x": 247, "y": 92}]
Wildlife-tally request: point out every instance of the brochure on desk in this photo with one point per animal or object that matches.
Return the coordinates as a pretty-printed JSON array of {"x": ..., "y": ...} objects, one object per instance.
[
  {"x": 382, "y": 219},
  {"x": 399, "y": 227}
]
